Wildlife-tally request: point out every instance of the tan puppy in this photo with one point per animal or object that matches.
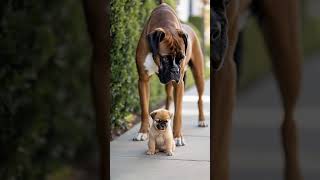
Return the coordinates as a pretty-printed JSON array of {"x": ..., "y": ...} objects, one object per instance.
[{"x": 160, "y": 134}]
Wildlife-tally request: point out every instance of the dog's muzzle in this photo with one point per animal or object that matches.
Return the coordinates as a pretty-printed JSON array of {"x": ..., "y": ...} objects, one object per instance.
[
  {"x": 161, "y": 125},
  {"x": 169, "y": 70}
]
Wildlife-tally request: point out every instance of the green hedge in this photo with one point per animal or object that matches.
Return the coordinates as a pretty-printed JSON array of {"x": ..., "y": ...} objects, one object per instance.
[{"x": 45, "y": 105}]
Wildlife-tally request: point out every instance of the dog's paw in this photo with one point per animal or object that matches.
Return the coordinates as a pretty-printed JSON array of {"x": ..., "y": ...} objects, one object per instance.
[
  {"x": 169, "y": 153},
  {"x": 150, "y": 152},
  {"x": 140, "y": 137},
  {"x": 202, "y": 124},
  {"x": 180, "y": 141}
]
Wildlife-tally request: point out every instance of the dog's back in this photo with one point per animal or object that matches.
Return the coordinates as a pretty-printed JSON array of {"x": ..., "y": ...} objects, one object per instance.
[{"x": 160, "y": 15}]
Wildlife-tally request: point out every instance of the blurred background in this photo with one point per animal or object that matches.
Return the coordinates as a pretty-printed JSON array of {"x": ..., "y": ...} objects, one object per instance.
[
  {"x": 47, "y": 126},
  {"x": 256, "y": 150}
]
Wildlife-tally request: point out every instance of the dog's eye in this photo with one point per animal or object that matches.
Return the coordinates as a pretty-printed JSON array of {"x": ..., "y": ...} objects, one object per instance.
[{"x": 178, "y": 60}]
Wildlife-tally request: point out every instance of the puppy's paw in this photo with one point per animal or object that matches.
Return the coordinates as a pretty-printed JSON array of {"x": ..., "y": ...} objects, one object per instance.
[
  {"x": 140, "y": 137},
  {"x": 180, "y": 141},
  {"x": 169, "y": 153},
  {"x": 150, "y": 152},
  {"x": 202, "y": 124}
]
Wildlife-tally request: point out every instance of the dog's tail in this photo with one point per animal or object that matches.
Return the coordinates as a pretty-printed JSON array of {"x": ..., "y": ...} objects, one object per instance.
[{"x": 161, "y": 1}]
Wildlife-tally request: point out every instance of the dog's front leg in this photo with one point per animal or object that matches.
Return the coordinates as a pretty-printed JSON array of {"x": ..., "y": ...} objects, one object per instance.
[
  {"x": 224, "y": 92},
  {"x": 177, "y": 121},
  {"x": 151, "y": 146},
  {"x": 170, "y": 145},
  {"x": 144, "y": 104},
  {"x": 224, "y": 97}
]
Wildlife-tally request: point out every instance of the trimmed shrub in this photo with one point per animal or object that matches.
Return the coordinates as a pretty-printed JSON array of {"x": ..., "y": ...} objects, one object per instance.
[{"x": 45, "y": 106}]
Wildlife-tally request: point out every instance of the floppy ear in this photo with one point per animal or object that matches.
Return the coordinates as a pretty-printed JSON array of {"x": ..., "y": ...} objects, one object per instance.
[
  {"x": 154, "y": 38},
  {"x": 184, "y": 36},
  {"x": 153, "y": 113}
]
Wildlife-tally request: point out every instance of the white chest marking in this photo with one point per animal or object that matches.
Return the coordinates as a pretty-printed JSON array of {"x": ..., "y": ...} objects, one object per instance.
[
  {"x": 160, "y": 140},
  {"x": 149, "y": 65}
]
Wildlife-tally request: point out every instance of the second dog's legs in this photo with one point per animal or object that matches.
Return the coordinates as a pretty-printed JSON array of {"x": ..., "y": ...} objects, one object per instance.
[
  {"x": 224, "y": 92},
  {"x": 282, "y": 37}
]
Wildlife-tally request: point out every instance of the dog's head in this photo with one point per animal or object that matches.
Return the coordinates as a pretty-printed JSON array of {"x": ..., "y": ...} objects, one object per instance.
[
  {"x": 218, "y": 33},
  {"x": 168, "y": 47},
  {"x": 161, "y": 119}
]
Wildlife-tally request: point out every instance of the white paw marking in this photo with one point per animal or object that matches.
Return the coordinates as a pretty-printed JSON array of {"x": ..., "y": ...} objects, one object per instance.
[
  {"x": 140, "y": 137},
  {"x": 150, "y": 152},
  {"x": 202, "y": 124},
  {"x": 180, "y": 141},
  {"x": 169, "y": 153},
  {"x": 149, "y": 65}
]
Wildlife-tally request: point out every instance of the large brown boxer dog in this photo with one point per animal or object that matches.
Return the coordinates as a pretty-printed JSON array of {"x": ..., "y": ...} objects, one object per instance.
[
  {"x": 166, "y": 47},
  {"x": 279, "y": 22}
]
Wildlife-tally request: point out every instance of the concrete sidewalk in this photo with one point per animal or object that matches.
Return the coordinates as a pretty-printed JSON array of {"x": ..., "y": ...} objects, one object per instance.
[{"x": 128, "y": 160}]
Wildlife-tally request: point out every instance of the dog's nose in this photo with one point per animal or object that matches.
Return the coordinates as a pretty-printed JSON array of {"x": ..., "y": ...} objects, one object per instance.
[{"x": 174, "y": 70}]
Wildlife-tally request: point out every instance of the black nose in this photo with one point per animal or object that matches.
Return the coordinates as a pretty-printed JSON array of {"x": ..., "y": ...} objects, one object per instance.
[
  {"x": 216, "y": 32},
  {"x": 174, "y": 70}
]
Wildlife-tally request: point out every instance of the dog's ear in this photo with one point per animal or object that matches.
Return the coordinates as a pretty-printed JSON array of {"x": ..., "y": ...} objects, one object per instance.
[
  {"x": 184, "y": 36},
  {"x": 154, "y": 38},
  {"x": 153, "y": 113}
]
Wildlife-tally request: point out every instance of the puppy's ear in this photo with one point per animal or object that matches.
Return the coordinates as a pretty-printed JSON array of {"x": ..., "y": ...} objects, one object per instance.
[
  {"x": 153, "y": 114},
  {"x": 184, "y": 36},
  {"x": 154, "y": 38}
]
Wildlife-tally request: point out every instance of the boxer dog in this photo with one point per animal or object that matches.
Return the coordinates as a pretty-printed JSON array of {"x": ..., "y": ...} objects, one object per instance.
[
  {"x": 166, "y": 47},
  {"x": 279, "y": 22}
]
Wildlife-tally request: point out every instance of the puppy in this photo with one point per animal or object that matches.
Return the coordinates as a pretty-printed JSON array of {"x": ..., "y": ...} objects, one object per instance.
[{"x": 160, "y": 134}]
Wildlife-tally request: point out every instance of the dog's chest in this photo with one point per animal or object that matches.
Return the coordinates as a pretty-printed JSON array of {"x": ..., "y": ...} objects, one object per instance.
[
  {"x": 160, "y": 140},
  {"x": 149, "y": 65}
]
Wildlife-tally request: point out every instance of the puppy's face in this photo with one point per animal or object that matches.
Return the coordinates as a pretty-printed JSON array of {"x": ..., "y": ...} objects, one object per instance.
[
  {"x": 161, "y": 119},
  {"x": 218, "y": 33},
  {"x": 169, "y": 50}
]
